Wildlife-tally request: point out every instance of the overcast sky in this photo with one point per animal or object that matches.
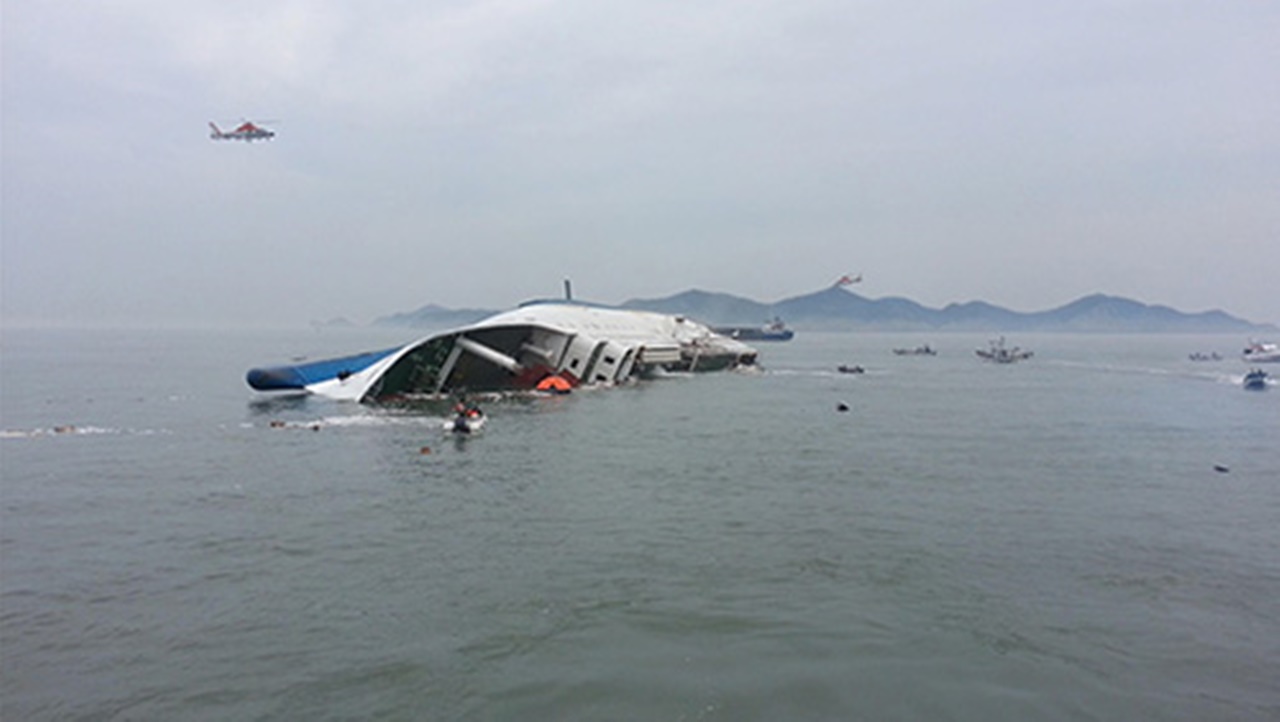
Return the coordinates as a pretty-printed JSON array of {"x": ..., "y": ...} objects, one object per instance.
[{"x": 474, "y": 154}]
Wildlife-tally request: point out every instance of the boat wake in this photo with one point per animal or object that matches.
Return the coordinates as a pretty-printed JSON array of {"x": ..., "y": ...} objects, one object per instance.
[
  {"x": 71, "y": 430},
  {"x": 832, "y": 373},
  {"x": 1212, "y": 376},
  {"x": 431, "y": 421},
  {"x": 352, "y": 421}
]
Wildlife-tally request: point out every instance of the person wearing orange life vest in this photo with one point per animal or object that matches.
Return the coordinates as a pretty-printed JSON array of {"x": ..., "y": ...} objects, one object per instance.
[{"x": 465, "y": 410}]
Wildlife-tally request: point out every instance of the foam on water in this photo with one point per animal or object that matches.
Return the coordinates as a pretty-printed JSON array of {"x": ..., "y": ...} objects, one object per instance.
[
  {"x": 355, "y": 421},
  {"x": 73, "y": 430}
]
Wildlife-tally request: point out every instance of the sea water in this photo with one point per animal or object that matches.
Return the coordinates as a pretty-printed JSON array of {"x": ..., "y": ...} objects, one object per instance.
[{"x": 1090, "y": 534}]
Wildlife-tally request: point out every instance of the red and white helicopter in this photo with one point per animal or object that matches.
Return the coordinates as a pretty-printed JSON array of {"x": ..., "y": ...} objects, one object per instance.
[{"x": 246, "y": 131}]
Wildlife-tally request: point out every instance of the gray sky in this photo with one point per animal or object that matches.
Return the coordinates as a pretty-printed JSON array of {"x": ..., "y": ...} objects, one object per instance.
[{"x": 477, "y": 153}]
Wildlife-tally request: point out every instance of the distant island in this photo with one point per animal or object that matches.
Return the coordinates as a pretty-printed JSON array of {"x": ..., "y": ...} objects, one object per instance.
[{"x": 837, "y": 309}]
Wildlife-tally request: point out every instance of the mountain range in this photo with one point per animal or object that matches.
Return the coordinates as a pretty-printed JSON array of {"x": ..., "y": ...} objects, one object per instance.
[{"x": 837, "y": 309}]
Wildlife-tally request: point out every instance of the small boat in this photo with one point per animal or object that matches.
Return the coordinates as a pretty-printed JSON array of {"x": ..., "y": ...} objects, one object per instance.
[
  {"x": 469, "y": 422},
  {"x": 850, "y": 369},
  {"x": 1256, "y": 380},
  {"x": 925, "y": 350},
  {"x": 996, "y": 352},
  {"x": 1197, "y": 356},
  {"x": 1258, "y": 352}
]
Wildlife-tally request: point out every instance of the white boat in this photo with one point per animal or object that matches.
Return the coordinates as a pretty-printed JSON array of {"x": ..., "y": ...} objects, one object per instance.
[
  {"x": 463, "y": 424},
  {"x": 516, "y": 350},
  {"x": 996, "y": 352},
  {"x": 1258, "y": 352}
]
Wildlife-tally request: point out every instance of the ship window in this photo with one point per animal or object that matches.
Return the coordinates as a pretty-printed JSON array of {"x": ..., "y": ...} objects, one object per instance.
[
  {"x": 609, "y": 359},
  {"x": 574, "y": 364}
]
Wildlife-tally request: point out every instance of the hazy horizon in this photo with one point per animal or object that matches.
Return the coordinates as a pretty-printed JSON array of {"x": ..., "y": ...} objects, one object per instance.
[
  {"x": 475, "y": 154},
  {"x": 372, "y": 321}
]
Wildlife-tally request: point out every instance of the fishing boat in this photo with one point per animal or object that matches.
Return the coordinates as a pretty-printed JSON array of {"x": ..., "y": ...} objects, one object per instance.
[
  {"x": 997, "y": 352},
  {"x": 517, "y": 350},
  {"x": 1259, "y": 352},
  {"x": 774, "y": 330},
  {"x": 1256, "y": 380}
]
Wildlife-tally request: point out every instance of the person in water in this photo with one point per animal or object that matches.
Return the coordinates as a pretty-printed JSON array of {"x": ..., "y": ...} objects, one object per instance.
[{"x": 465, "y": 410}]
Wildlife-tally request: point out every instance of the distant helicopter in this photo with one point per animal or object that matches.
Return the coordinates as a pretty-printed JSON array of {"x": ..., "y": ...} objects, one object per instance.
[{"x": 247, "y": 131}]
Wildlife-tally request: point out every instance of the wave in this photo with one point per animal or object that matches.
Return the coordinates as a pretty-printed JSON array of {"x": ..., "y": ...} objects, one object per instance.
[
  {"x": 71, "y": 430},
  {"x": 351, "y": 421},
  {"x": 1210, "y": 375}
]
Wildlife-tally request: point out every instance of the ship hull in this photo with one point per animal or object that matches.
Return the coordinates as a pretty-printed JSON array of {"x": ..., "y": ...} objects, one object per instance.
[{"x": 518, "y": 350}]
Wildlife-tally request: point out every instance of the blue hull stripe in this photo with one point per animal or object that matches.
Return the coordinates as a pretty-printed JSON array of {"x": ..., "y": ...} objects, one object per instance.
[{"x": 281, "y": 378}]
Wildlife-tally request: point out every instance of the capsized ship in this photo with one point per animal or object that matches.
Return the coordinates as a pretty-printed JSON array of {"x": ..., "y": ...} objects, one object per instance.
[{"x": 518, "y": 350}]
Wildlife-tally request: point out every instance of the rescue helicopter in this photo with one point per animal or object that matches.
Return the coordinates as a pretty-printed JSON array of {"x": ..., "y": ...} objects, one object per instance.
[{"x": 246, "y": 131}]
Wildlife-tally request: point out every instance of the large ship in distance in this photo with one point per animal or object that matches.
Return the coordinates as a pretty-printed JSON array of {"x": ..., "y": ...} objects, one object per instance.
[{"x": 774, "y": 330}]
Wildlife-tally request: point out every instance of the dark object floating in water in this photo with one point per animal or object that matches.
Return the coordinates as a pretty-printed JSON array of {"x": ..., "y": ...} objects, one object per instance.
[
  {"x": 925, "y": 350},
  {"x": 850, "y": 369},
  {"x": 842, "y": 406},
  {"x": 1220, "y": 468}
]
